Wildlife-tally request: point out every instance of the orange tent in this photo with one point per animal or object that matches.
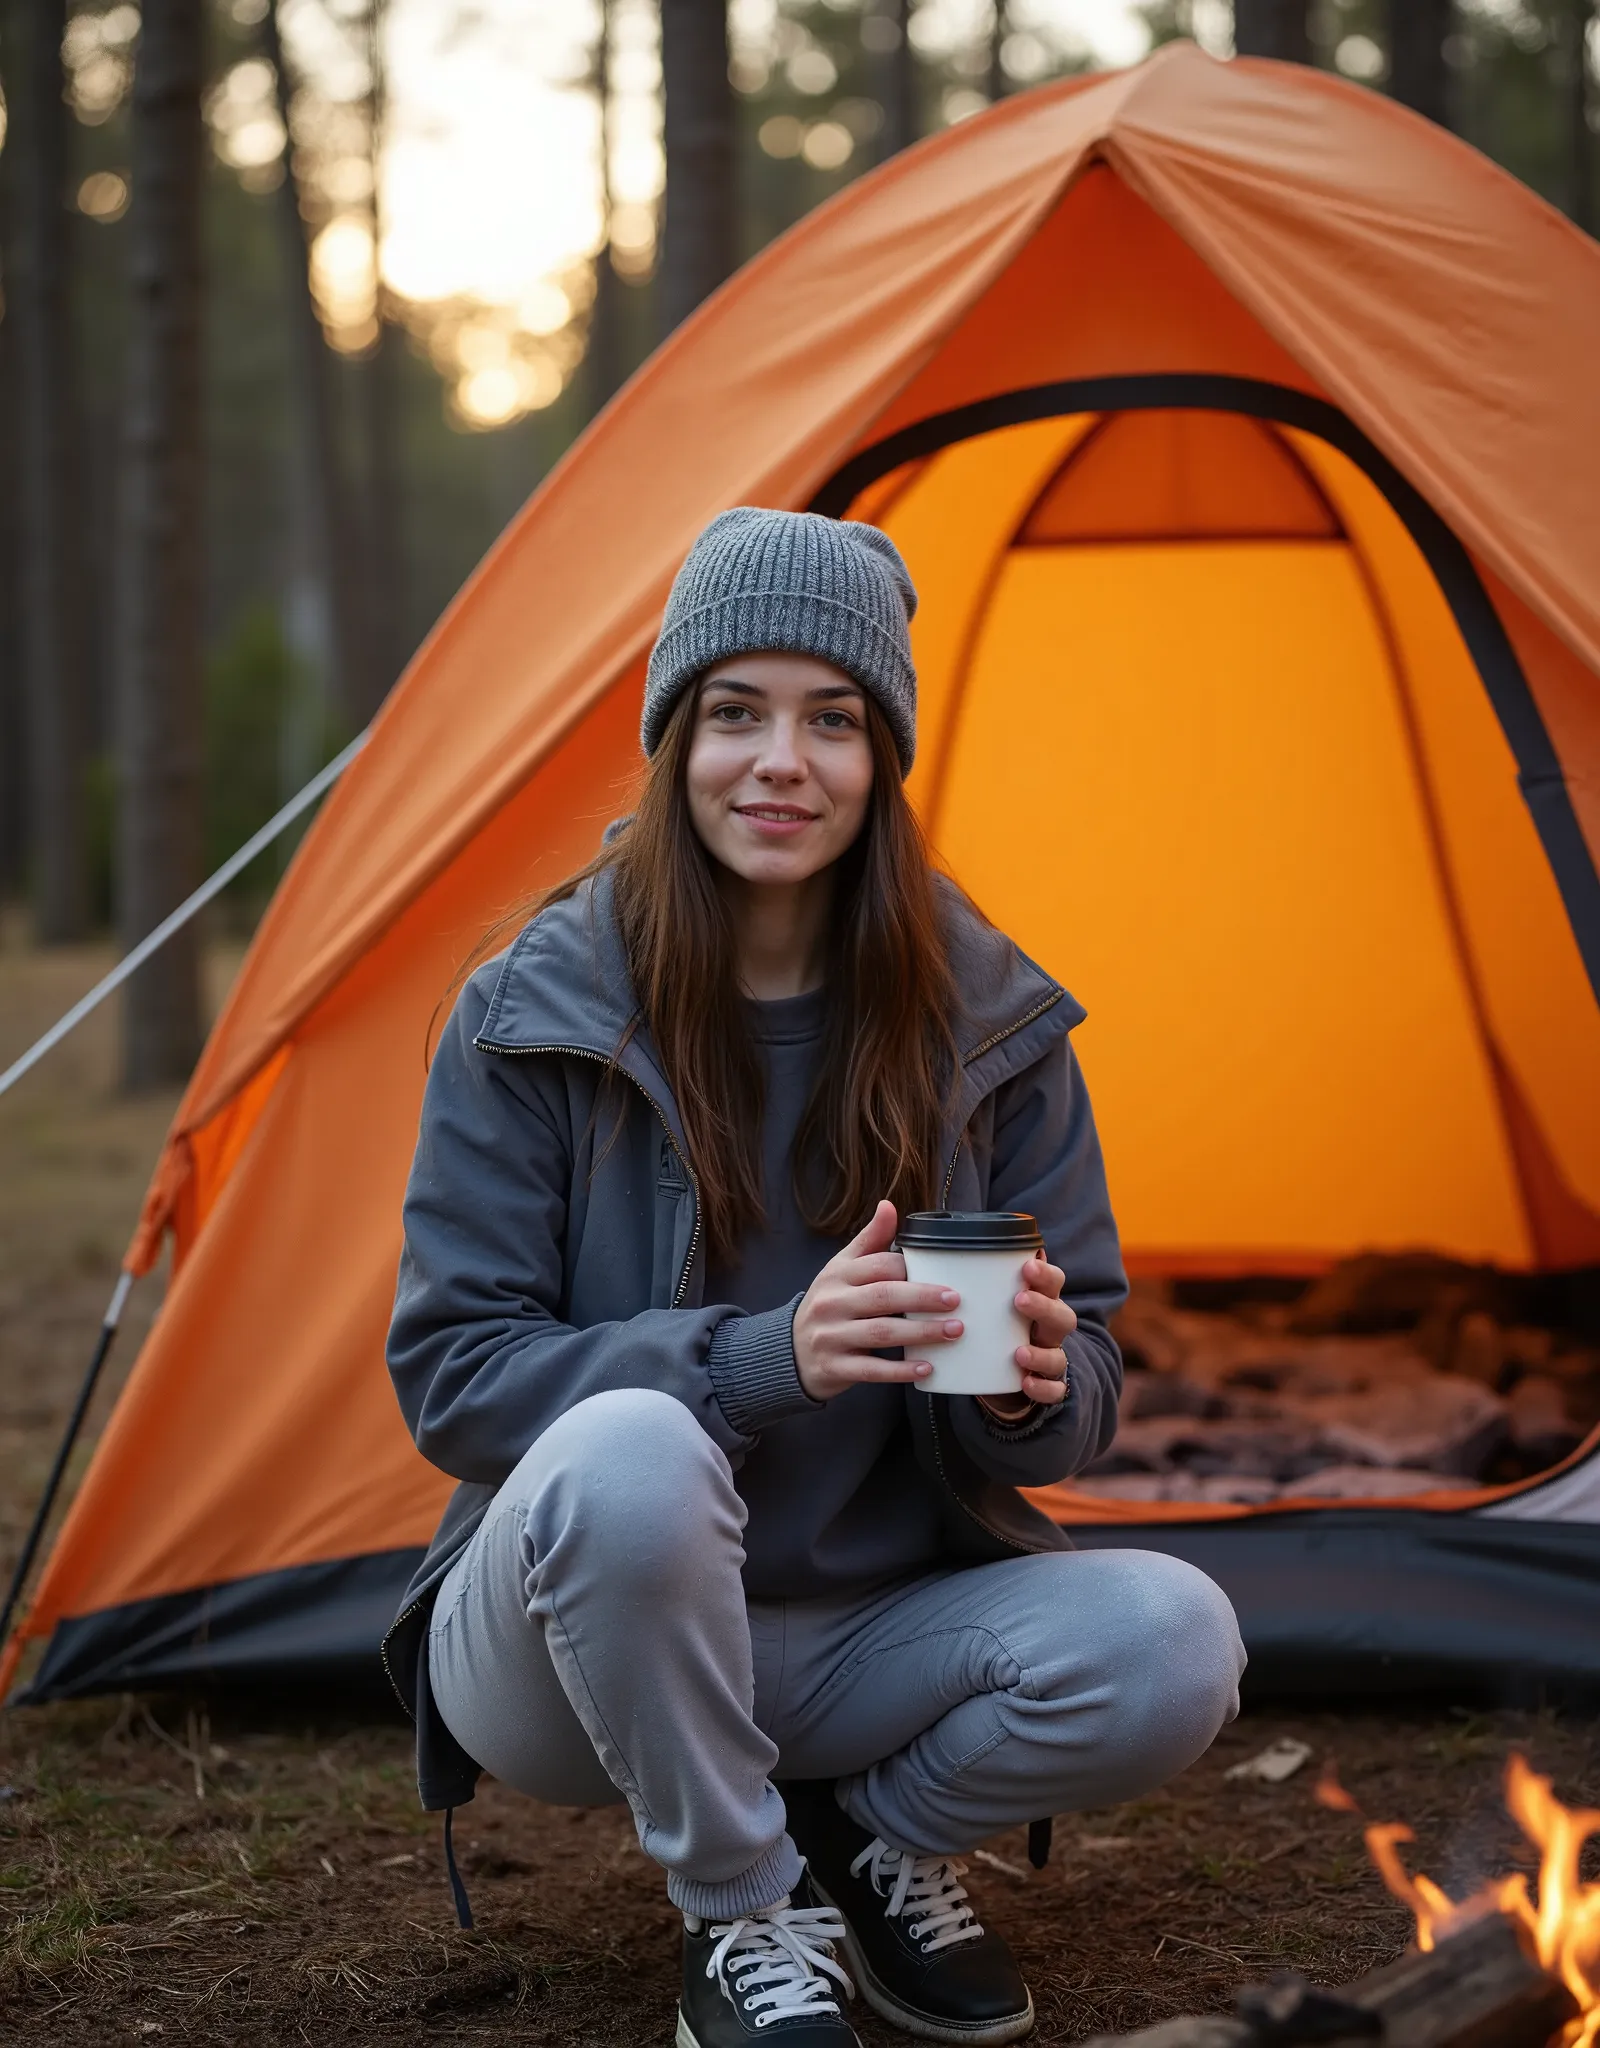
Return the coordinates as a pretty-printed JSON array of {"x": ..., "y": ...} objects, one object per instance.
[{"x": 1240, "y": 430}]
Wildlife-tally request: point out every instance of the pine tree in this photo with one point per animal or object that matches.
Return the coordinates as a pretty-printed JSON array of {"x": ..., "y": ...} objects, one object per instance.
[
  {"x": 698, "y": 241},
  {"x": 52, "y": 580},
  {"x": 1272, "y": 28},
  {"x": 160, "y": 699},
  {"x": 1417, "y": 73}
]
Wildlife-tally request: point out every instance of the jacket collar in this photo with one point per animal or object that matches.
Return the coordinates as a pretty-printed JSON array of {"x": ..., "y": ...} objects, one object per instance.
[{"x": 564, "y": 986}]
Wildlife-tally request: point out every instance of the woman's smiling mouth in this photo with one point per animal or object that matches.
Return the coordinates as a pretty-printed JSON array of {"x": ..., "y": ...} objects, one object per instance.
[{"x": 775, "y": 817}]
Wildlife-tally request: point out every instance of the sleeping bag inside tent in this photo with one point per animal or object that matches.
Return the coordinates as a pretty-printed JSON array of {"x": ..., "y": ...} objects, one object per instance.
[{"x": 1239, "y": 429}]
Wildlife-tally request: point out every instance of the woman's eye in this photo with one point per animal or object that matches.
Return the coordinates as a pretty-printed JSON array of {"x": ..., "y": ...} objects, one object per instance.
[
  {"x": 730, "y": 714},
  {"x": 836, "y": 721}
]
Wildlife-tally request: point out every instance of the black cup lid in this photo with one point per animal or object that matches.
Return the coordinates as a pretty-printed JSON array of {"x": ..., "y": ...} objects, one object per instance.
[{"x": 970, "y": 1230}]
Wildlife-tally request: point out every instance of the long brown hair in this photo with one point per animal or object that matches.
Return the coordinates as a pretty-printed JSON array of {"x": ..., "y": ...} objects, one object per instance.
[{"x": 871, "y": 1126}]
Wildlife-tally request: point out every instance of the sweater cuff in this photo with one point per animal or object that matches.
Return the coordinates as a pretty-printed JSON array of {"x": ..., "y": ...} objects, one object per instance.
[{"x": 753, "y": 1373}]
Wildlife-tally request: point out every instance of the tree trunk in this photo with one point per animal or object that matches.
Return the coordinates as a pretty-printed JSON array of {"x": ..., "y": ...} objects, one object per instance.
[
  {"x": 380, "y": 376},
  {"x": 698, "y": 245},
  {"x": 605, "y": 355},
  {"x": 160, "y": 707},
  {"x": 13, "y": 731},
  {"x": 999, "y": 29},
  {"x": 1272, "y": 28},
  {"x": 390, "y": 646},
  {"x": 53, "y": 583},
  {"x": 1580, "y": 143},
  {"x": 1418, "y": 77},
  {"x": 332, "y": 539},
  {"x": 896, "y": 66}
]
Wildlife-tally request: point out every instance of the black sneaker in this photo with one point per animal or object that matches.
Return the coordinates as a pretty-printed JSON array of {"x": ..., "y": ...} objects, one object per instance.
[
  {"x": 918, "y": 1950},
  {"x": 766, "y": 1977}
]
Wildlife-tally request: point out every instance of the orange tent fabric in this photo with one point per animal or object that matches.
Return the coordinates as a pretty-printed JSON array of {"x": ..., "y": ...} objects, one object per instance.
[{"x": 1239, "y": 427}]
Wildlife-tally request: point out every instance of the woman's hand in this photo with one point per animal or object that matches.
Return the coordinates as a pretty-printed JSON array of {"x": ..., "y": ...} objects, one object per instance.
[
  {"x": 1042, "y": 1360},
  {"x": 862, "y": 1302}
]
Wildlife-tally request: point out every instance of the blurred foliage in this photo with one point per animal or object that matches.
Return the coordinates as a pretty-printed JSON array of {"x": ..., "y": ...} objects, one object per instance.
[
  {"x": 809, "y": 79},
  {"x": 268, "y": 730},
  {"x": 1515, "y": 94}
]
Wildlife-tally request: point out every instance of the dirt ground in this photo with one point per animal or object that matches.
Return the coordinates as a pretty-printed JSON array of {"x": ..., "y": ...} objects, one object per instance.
[
  {"x": 245, "y": 1880},
  {"x": 173, "y": 1872}
]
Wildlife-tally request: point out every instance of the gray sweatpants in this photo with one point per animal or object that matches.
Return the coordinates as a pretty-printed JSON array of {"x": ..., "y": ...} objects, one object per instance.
[{"x": 595, "y": 1639}]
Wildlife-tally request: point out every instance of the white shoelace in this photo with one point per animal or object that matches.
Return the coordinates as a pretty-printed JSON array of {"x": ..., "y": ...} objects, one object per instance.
[
  {"x": 928, "y": 1886},
  {"x": 781, "y": 1956}
]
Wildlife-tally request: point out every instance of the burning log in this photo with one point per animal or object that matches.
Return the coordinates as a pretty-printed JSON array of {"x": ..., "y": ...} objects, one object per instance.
[
  {"x": 1483, "y": 1987},
  {"x": 1499, "y": 1970}
]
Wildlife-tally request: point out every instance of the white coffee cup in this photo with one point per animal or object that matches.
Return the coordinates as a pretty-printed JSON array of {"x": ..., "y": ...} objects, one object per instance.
[{"x": 981, "y": 1254}]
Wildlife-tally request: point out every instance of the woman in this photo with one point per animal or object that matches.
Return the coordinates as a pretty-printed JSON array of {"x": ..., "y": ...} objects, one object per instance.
[{"x": 714, "y": 1550}]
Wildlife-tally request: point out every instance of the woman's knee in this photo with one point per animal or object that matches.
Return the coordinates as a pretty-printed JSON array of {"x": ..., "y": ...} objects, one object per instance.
[
  {"x": 1174, "y": 1660},
  {"x": 630, "y": 1478},
  {"x": 1141, "y": 1653}
]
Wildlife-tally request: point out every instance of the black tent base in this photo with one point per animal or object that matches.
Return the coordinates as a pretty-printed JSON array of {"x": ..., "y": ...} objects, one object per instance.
[
  {"x": 313, "y": 1630},
  {"x": 1345, "y": 1604},
  {"x": 1336, "y": 1605}
]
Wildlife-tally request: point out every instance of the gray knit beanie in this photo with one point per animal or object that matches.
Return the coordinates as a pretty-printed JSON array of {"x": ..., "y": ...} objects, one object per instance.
[{"x": 796, "y": 582}]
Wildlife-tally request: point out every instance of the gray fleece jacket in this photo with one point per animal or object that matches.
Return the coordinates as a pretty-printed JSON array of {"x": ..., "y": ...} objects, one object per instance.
[{"x": 553, "y": 1249}]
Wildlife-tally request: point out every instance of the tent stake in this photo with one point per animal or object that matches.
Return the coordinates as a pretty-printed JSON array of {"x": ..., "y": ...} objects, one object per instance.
[{"x": 69, "y": 1436}]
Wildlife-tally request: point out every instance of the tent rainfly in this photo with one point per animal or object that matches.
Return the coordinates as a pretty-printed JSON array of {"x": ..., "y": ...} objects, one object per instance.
[{"x": 1240, "y": 429}]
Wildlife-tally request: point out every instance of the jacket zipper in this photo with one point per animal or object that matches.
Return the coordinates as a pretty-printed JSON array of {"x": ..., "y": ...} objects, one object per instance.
[
  {"x": 977, "y": 1052},
  {"x": 995, "y": 1038},
  {"x": 971, "y": 1513},
  {"x": 1027, "y": 1017},
  {"x": 399, "y": 1622},
  {"x": 583, "y": 1052}
]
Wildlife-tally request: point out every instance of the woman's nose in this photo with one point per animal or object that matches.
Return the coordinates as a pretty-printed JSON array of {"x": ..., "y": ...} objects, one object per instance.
[{"x": 780, "y": 754}]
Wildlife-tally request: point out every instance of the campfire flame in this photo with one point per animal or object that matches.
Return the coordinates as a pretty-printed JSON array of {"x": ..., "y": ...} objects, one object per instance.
[{"x": 1563, "y": 1925}]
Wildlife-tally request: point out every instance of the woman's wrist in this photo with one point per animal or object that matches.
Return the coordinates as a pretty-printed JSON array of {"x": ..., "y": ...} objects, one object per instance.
[{"x": 1007, "y": 1407}]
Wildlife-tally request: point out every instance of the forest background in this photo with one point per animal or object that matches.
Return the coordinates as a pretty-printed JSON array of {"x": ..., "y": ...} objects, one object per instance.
[{"x": 301, "y": 301}]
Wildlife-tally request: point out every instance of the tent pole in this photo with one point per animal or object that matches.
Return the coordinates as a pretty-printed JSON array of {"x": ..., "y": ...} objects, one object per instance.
[
  {"x": 69, "y": 1436},
  {"x": 235, "y": 864}
]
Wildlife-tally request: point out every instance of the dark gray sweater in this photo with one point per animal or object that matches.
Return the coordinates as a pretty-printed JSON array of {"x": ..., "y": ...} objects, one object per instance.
[{"x": 835, "y": 1495}]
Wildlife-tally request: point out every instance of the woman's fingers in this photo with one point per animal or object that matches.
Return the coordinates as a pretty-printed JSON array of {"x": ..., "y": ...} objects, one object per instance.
[
  {"x": 1045, "y": 1361},
  {"x": 1049, "y": 1393},
  {"x": 1053, "y": 1319},
  {"x": 890, "y": 1333},
  {"x": 901, "y": 1298},
  {"x": 863, "y": 1272},
  {"x": 857, "y": 1366},
  {"x": 876, "y": 1236}
]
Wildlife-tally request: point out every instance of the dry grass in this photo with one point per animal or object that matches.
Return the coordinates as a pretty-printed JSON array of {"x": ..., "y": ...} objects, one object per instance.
[{"x": 173, "y": 1874}]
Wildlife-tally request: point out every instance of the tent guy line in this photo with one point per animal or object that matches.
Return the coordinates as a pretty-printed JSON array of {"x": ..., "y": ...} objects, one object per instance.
[{"x": 234, "y": 865}]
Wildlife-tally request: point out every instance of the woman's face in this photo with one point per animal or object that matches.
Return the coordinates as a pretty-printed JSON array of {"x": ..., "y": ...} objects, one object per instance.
[{"x": 780, "y": 765}]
